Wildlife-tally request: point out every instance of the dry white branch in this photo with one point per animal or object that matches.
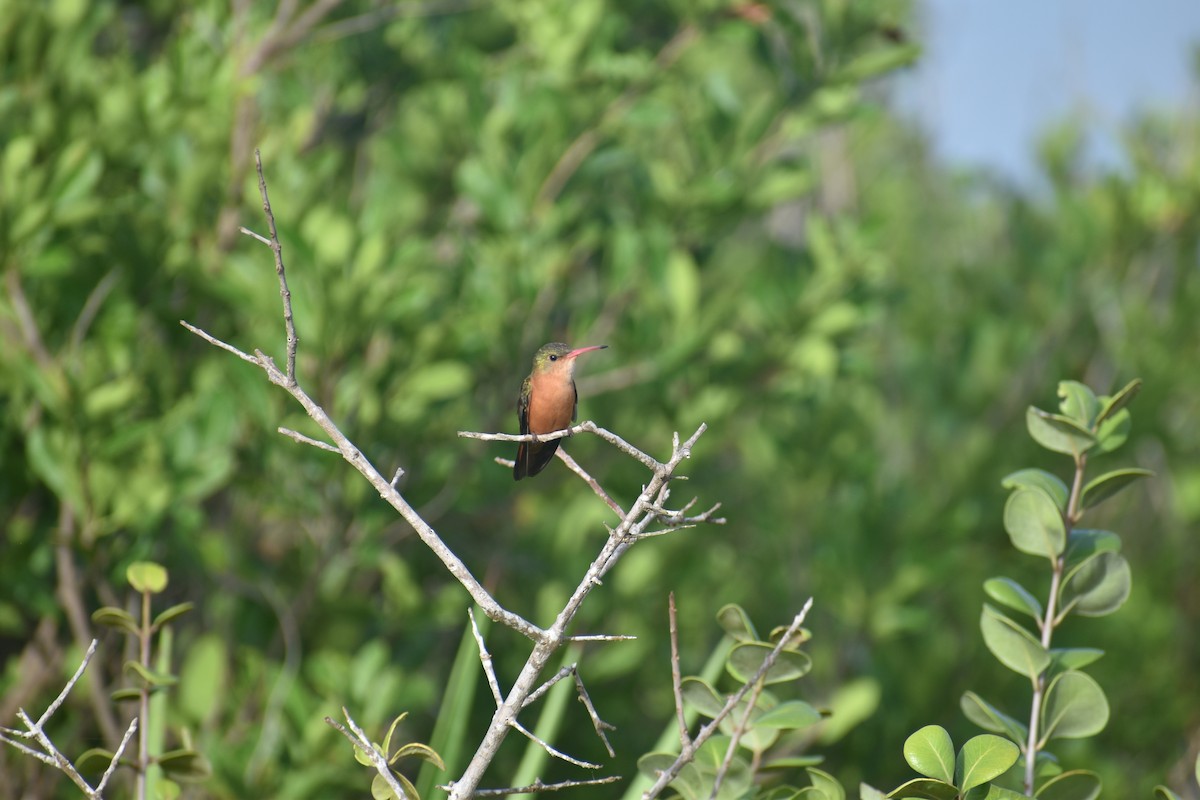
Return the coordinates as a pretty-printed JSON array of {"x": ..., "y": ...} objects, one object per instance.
[
  {"x": 51, "y": 754},
  {"x": 378, "y": 760},
  {"x": 485, "y": 658},
  {"x": 542, "y": 743},
  {"x": 583, "y": 427},
  {"x": 538, "y": 786},
  {"x": 688, "y": 751},
  {"x": 302, "y": 439}
]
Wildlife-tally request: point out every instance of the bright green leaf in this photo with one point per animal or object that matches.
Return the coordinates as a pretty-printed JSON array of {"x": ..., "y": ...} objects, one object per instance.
[
  {"x": 1058, "y": 433},
  {"x": 1105, "y": 486},
  {"x": 1075, "y": 657},
  {"x": 826, "y": 784},
  {"x": 1111, "y": 405},
  {"x": 1098, "y": 586},
  {"x": 746, "y": 658},
  {"x": 930, "y": 752},
  {"x": 1075, "y": 707},
  {"x": 1034, "y": 524},
  {"x": 926, "y": 788},
  {"x": 1079, "y": 403},
  {"x": 792, "y": 715},
  {"x": 1014, "y": 646},
  {"x": 1073, "y": 785},
  {"x": 1009, "y": 593},
  {"x": 146, "y": 576},
  {"x": 983, "y": 758},
  {"x": 1113, "y": 432},
  {"x": 733, "y": 620},
  {"x": 1048, "y": 482},
  {"x": 990, "y": 718}
]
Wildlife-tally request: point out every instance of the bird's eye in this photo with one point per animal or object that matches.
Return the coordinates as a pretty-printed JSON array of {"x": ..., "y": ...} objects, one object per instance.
[{"x": 554, "y": 358}]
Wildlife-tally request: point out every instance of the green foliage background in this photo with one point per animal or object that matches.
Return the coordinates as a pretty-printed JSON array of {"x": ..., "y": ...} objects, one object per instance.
[{"x": 718, "y": 192}]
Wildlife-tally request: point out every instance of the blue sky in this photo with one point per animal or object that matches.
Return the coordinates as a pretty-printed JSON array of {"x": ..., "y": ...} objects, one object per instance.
[{"x": 996, "y": 73}]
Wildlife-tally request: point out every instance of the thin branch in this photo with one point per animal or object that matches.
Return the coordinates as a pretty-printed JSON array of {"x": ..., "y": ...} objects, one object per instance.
[
  {"x": 308, "y": 19},
  {"x": 599, "y": 725},
  {"x": 573, "y": 465},
  {"x": 688, "y": 752},
  {"x": 538, "y": 786},
  {"x": 116, "y": 759},
  {"x": 363, "y": 743},
  {"x": 542, "y": 743},
  {"x": 302, "y": 439},
  {"x": 485, "y": 658},
  {"x": 258, "y": 236},
  {"x": 58, "y": 701},
  {"x": 218, "y": 343},
  {"x": 676, "y": 678},
  {"x": 601, "y": 637},
  {"x": 583, "y": 427},
  {"x": 738, "y": 732}
]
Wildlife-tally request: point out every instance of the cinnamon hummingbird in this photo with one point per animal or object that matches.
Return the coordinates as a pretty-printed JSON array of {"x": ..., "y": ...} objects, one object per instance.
[{"x": 547, "y": 403}]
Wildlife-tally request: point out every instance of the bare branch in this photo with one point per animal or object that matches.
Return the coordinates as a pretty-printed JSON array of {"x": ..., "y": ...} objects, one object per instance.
[
  {"x": 549, "y": 748},
  {"x": 688, "y": 752},
  {"x": 307, "y": 21},
  {"x": 583, "y": 427},
  {"x": 573, "y": 465},
  {"x": 302, "y": 439},
  {"x": 538, "y": 786},
  {"x": 485, "y": 658},
  {"x": 363, "y": 743},
  {"x": 676, "y": 678},
  {"x": 116, "y": 759},
  {"x": 738, "y": 732},
  {"x": 58, "y": 701},
  {"x": 599, "y": 725},
  {"x": 218, "y": 343}
]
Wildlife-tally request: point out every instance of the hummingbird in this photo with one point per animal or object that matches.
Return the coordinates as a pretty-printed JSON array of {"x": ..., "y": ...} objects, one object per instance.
[{"x": 547, "y": 403}]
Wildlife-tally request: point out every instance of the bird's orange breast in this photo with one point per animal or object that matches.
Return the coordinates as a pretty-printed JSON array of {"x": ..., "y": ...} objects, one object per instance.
[{"x": 551, "y": 404}]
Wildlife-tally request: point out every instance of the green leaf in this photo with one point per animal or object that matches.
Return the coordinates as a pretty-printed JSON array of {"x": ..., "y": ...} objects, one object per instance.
[
  {"x": 866, "y": 792},
  {"x": 1014, "y": 646},
  {"x": 792, "y": 715},
  {"x": 826, "y": 784},
  {"x": 421, "y": 751},
  {"x": 1031, "y": 478},
  {"x": 391, "y": 731},
  {"x": 1077, "y": 784},
  {"x": 1034, "y": 523},
  {"x": 746, "y": 658},
  {"x": 698, "y": 694},
  {"x": 926, "y": 788},
  {"x": 1083, "y": 543},
  {"x": 124, "y": 695},
  {"x": 364, "y": 758},
  {"x": 793, "y": 762},
  {"x": 1058, "y": 433},
  {"x": 115, "y": 618},
  {"x": 1075, "y": 707},
  {"x": 1009, "y": 593},
  {"x": 990, "y": 718},
  {"x": 1165, "y": 793},
  {"x": 1098, "y": 586},
  {"x": 1075, "y": 657},
  {"x": 171, "y": 613},
  {"x": 1079, "y": 403},
  {"x": 983, "y": 758},
  {"x": 1113, "y": 432},
  {"x": 1111, "y": 405},
  {"x": 380, "y": 790},
  {"x": 930, "y": 752},
  {"x": 146, "y": 576},
  {"x": 1101, "y": 488},
  {"x": 147, "y": 676},
  {"x": 186, "y": 766},
  {"x": 733, "y": 620},
  {"x": 96, "y": 759}
]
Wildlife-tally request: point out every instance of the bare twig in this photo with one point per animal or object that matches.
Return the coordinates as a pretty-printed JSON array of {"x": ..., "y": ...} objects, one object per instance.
[
  {"x": 688, "y": 751},
  {"x": 538, "y": 786},
  {"x": 485, "y": 658},
  {"x": 583, "y": 427},
  {"x": 363, "y": 743},
  {"x": 573, "y": 465},
  {"x": 738, "y": 732},
  {"x": 51, "y": 754},
  {"x": 306, "y": 21},
  {"x": 302, "y": 439},
  {"x": 599, "y": 725},
  {"x": 676, "y": 679},
  {"x": 542, "y": 743}
]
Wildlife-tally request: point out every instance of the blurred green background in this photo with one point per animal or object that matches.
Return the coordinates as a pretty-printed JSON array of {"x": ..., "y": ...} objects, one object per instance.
[{"x": 718, "y": 191}]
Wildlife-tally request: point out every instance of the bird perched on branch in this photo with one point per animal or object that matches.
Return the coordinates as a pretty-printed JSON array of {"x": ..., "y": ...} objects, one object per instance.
[{"x": 547, "y": 403}]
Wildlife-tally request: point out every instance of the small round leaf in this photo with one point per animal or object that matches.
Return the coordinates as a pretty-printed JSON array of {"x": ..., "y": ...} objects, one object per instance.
[
  {"x": 746, "y": 658},
  {"x": 1075, "y": 707},
  {"x": 1077, "y": 784},
  {"x": 146, "y": 576},
  {"x": 1014, "y": 646},
  {"x": 1009, "y": 593},
  {"x": 1098, "y": 586},
  {"x": 983, "y": 758},
  {"x": 1035, "y": 523},
  {"x": 930, "y": 752}
]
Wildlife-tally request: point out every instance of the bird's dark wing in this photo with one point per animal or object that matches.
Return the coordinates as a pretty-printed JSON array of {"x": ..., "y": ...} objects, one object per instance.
[
  {"x": 575, "y": 402},
  {"x": 521, "y": 467}
]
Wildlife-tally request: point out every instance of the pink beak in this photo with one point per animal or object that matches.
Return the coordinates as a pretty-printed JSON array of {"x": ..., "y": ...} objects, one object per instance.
[{"x": 581, "y": 350}]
